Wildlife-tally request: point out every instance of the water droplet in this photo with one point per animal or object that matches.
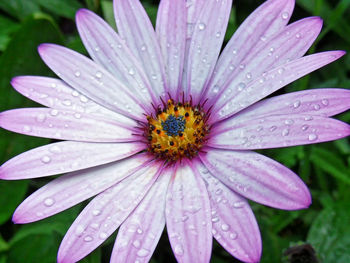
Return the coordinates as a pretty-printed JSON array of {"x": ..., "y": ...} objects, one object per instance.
[
  {"x": 225, "y": 227},
  {"x": 285, "y": 132},
  {"x": 218, "y": 34},
  {"x": 139, "y": 231},
  {"x": 83, "y": 99},
  {"x": 325, "y": 102},
  {"x": 215, "y": 219},
  {"x": 96, "y": 212},
  {"x": 312, "y": 137},
  {"x": 49, "y": 202},
  {"x": 154, "y": 76},
  {"x": 305, "y": 127},
  {"x": 95, "y": 225},
  {"x": 308, "y": 118},
  {"x": 263, "y": 38},
  {"x": 143, "y": 48},
  {"x": 45, "y": 159},
  {"x": 238, "y": 204},
  {"x": 234, "y": 52},
  {"x": 241, "y": 86},
  {"x": 98, "y": 74},
  {"x": 88, "y": 238},
  {"x": 316, "y": 107},
  {"x": 77, "y": 115},
  {"x": 179, "y": 250},
  {"x": 131, "y": 71},
  {"x": 298, "y": 36},
  {"x": 216, "y": 89},
  {"x": 136, "y": 243},
  {"x": 54, "y": 85},
  {"x": 296, "y": 104},
  {"x": 218, "y": 191},
  {"x": 241, "y": 66},
  {"x": 77, "y": 73},
  {"x": 40, "y": 118},
  {"x": 67, "y": 102},
  {"x": 54, "y": 112},
  {"x": 27, "y": 128},
  {"x": 201, "y": 26},
  {"x": 142, "y": 252},
  {"x": 103, "y": 235},
  {"x": 97, "y": 49},
  {"x": 288, "y": 122},
  {"x": 75, "y": 93},
  {"x": 233, "y": 235},
  {"x": 249, "y": 75},
  {"x": 280, "y": 70},
  {"x": 285, "y": 15},
  {"x": 55, "y": 149},
  {"x": 79, "y": 230}
]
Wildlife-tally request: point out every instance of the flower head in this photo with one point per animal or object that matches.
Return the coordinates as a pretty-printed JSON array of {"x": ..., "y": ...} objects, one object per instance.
[{"x": 159, "y": 126}]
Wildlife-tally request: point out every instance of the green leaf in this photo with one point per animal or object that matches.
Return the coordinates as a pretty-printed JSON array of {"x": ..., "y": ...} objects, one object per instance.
[
  {"x": 19, "y": 8},
  {"x": 12, "y": 193},
  {"x": 330, "y": 163},
  {"x": 7, "y": 27},
  {"x": 3, "y": 245},
  {"x": 330, "y": 233},
  {"x": 94, "y": 257},
  {"x": 107, "y": 10},
  {"x": 65, "y": 8}
]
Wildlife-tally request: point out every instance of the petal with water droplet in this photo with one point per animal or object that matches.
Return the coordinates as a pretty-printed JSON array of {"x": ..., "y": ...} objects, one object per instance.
[
  {"x": 276, "y": 131},
  {"x": 113, "y": 54},
  {"x": 63, "y": 157},
  {"x": 145, "y": 225},
  {"x": 171, "y": 32},
  {"x": 188, "y": 216},
  {"x": 236, "y": 228},
  {"x": 80, "y": 72},
  {"x": 114, "y": 204},
  {"x": 65, "y": 125},
  {"x": 263, "y": 23},
  {"x": 205, "y": 47},
  {"x": 136, "y": 28},
  {"x": 258, "y": 178},
  {"x": 73, "y": 188},
  {"x": 331, "y": 101}
]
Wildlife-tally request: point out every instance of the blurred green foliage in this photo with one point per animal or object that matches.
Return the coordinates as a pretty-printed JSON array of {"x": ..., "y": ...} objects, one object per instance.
[{"x": 24, "y": 24}]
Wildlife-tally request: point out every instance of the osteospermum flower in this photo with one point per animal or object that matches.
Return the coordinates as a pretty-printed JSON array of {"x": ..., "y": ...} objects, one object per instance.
[{"x": 160, "y": 126}]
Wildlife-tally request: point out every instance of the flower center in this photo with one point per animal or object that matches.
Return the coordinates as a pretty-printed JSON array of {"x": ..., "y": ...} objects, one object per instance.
[{"x": 178, "y": 130}]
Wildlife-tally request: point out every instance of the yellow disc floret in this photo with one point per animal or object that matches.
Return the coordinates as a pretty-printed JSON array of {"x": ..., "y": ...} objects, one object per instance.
[{"x": 178, "y": 130}]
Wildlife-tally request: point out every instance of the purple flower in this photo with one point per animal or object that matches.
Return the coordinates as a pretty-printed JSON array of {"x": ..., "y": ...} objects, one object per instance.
[{"x": 159, "y": 126}]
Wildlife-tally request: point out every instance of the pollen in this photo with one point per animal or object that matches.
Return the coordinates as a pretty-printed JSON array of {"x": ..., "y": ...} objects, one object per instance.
[{"x": 176, "y": 131}]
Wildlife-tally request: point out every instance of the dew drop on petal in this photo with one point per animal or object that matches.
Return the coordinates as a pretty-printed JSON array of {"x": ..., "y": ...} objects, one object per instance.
[
  {"x": 131, "y": 71},
  {"x": 216, "y": 89},
  {"x": 316, "y": 107},
  {"x": 238, "y": 204},
  {"x": 96, "y": 212},
  {"x": 325, "y": 102},
  {"x": 234, "y": 52},
  {"x": 77, "y": 73},
  {"x": 285, "y": 15},
  {"x": 136, "y": 243},
  {"x": 225, "y": 227},
  {"x": 45, "y": 159},
  {"x": 305, "y": 127},
  {"x": 49, "y": 202},
  {"x": 98, "y": 74},
  {"x": 179, "y": 250},
  {"x": 79, "y": 230},
  {"x": 296, "y": 104},
  {"x": 201, "y": 26},
  {"x": 285, "y": 132},
  {"x": 103, "y": 235},
  {"x": 143, "y": 48},
  {"x": 54, "y": 112},
  {"x": 218, "y": 34},
  {"x": 298, "y": 36},
  {"x": 88, "y": 238},
  {"x": 27, "y": 128},
  {"x": 142, "y": 252},
  {"x": 312, "y": 137},
  {"x": 233, "y": 235},
  {"x": 40, "y": 118},
  {"x": 241, "y": 86}
]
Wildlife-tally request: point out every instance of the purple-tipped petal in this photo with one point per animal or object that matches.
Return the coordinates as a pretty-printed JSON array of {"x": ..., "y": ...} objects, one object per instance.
[
  {"x": 63, "y": 157},
  {"x": 171, "y": 31},
  {"x": 135, "y": 27},
  {"x": 289, "y": 44},
  {"x": 273, "y": 80},
  {"x": 257, "y": 30},
  {"x": 277, "y": 131},
  {"x": 188, "y": 217},
  {"x": 71, "y": 189},
  {"x": 65, "y": 125},
  {"x": 107, "y": 49},
  {"x": 205, "y": 46},
  {"x": 234, "y": 224},
  {"x": 92, "y": 80},
  {"x": 323, "y": 102},
  {"x": 258, "y": 178},
  {"x": 55, "y": 93},
  {"x": 139, "y": 234},
  {"x": 105, "y": 213}
]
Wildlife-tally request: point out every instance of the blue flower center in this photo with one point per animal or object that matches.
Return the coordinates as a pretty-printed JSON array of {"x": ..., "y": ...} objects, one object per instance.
[{"x": 174, "y": 125}]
